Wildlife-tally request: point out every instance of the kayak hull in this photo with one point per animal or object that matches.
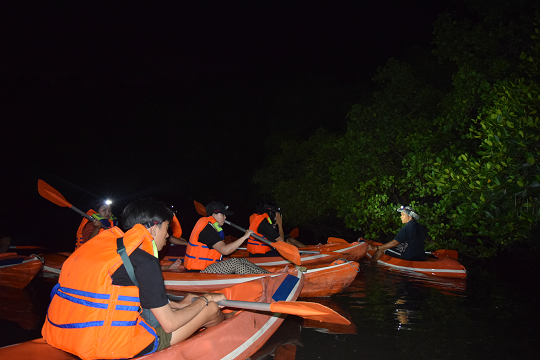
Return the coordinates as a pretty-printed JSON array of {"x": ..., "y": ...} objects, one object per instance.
[
  {"x": 320, "y": 280},
  {"x": 17, "y": 271},
  {"x": 235, "y": 338},
  {"x": 442, "y": 265},
  {"x": 352, "y": 252}
]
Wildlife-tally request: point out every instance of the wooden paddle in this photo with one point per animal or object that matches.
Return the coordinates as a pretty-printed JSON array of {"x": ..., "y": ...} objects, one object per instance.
[
  {"x": 51, "y": 194},
  {"x": 308, "y": 310}
]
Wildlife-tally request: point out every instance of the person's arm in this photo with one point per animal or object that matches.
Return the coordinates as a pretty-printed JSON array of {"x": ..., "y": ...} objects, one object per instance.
[
  {"x": 177, "y": 241},
  {"x": 279, "y": 222},
  {"x": 379, "y": 250},
  {"x": 268, "y": 231},
  {"x": 91, "y": 229},
  {"x": 173, "y": 317},
  {"x": 226, "y": 249}
]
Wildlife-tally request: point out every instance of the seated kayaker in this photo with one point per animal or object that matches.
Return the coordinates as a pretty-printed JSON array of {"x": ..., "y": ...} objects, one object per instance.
[
  {"x": 103, "y": 218},
  {"x": 409, "y": 241},
  {"x": 206, "y": 246},
  {"x": 266, "y": 222},
  {"x": 94, "y": 310}
]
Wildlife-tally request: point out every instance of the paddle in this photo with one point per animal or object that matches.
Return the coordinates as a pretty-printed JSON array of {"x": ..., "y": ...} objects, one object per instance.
[
  {"x": 334, "y": 240},
  {"x": 294, "y": 233},
  {"x": 51, "y": 194},
  {"x": 288, "y": 251},
  {"x": 308, "y": 310},
  {"x": 450, "y": 253}
]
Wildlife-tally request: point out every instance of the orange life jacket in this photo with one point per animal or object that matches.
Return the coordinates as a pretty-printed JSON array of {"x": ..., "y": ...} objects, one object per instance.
[
  {"x": 198, "y": 255},
  {"x": 90, "y": 317},
  {"x": 106, "y": 222},
  {"x": 255, "y": 246}
]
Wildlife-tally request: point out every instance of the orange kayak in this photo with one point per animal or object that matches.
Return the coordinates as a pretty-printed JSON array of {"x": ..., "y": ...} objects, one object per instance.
[
  {"x": 320, "y": 280},
  {"x": 352, "y": 252},
  {"x": 235, "y": 338},
  {"x": 17, "y": 270},
  {"x": 440, "y": 264},
  {"x": 19, "y": 305},
  {"x": 53, "y": 263}
]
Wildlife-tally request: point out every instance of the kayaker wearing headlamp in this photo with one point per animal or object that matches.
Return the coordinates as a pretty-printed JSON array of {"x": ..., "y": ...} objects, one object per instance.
[
  {"x": 263, "y": 223},
  {"x": 103, "y": 219},
  {"x": 95, "y": 307},
  {"x": 409, "y": 241}
]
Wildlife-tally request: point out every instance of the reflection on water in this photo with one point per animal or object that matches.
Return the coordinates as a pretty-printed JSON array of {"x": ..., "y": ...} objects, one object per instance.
[{"x": 393, "y": 315}]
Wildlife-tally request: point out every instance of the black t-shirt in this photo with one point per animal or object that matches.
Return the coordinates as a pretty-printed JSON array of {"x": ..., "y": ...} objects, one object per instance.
[
  {"x": 209, "y": 236},
  {"x": 267, "y": 230},
  {"x": 152, "y": 291},
  {"x": 411, "y": 241}
]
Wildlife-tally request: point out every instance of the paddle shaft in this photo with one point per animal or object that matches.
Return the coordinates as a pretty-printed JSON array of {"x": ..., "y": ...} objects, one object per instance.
[
  {"x": 302, "y": 251},
  {"x": 85, "y": 215},
  {"x": 232, "y": 303},
  {"x": 252, "y": 234}
]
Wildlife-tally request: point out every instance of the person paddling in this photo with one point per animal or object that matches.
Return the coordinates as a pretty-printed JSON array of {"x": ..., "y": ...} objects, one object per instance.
[
  {"x": 206, "y": 246},
  {"x": 103, "y": 219},
  {"x": 94, "y": 310},
  {"x": 266, "y": 222},
  {"x": 409, "y": 241}
]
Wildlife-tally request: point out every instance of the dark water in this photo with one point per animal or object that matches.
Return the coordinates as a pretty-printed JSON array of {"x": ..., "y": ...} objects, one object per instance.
[{"x": 492, "y": 315}]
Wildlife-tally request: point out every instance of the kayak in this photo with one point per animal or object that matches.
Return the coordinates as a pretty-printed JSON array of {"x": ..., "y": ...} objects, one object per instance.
[
  {"x": 235, "y": 338},
  {"x": 53, "y": 263},
  {"x": 438, "y": 264},
  {"x": 351, "y": 251},
  {"x": 320, "y": 280},
  {"x": 17, "y": 270},
  {"x": 306, "y": 259},
  {"x": 19, "y": 305}
]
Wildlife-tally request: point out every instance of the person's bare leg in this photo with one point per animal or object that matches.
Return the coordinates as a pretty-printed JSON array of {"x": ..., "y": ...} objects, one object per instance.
[
  {"x": 4, "y": 244},
  {"x": 211, "y": 315}
]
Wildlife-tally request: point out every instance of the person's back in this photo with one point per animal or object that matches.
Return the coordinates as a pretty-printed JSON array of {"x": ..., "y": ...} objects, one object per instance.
[{"x": 411, "y": 238}]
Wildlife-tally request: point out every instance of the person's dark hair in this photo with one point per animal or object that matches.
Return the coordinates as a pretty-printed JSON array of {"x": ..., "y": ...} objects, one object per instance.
[
  {"x": 266, "y": 208},
  {"x": 147, "y": 212}
]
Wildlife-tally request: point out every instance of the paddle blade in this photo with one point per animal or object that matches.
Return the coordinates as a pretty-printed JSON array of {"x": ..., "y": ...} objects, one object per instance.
[
  {"x": 450, "y": 253},
  {"x": 175, "y": 227},
  {"x": 288, "y": 251},
  {"x": 294, "y": 233},
  {"x": 51, "y": 194},
  {"x": 201, "y": 210},
  {"x": 309, "y": 310},
  {"x": 333, "y": 240}
]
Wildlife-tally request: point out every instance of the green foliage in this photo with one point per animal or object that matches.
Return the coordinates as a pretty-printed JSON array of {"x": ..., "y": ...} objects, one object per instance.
[{"x": 454, "y": 133}]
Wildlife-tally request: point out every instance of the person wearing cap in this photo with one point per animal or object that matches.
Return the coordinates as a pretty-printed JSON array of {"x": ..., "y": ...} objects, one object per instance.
[
  {"x": 409, "y": 241},
  {"x": 206, "y": 246},
  {"x": 266, "y": 222},
  {"x": 103, "y": 219}
]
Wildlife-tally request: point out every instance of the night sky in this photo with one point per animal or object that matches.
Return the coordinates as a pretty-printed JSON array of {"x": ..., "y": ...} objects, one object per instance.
[{"x": 174, "y": 101}]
